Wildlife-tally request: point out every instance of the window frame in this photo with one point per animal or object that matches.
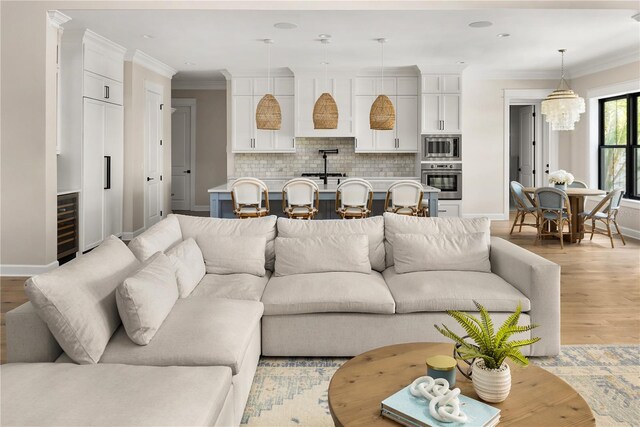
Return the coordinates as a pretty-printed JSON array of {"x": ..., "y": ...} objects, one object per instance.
[{"x": 631, "y": 147}]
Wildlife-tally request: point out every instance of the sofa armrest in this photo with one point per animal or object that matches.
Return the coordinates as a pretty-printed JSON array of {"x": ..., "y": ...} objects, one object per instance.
[
  {"x": 539, "y": 280},
  {"x": 28, "y": 337}
]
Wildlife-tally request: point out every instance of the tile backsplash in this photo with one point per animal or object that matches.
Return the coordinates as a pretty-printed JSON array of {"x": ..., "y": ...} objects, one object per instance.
[{"x": 308, "y": 159}]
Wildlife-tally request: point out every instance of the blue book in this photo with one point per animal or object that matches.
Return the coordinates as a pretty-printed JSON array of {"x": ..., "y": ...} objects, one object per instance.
[{"x": 411, "y": 411}]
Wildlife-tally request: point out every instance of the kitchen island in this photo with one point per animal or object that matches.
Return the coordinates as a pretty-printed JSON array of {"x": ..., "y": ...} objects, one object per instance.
[{"x": 222, "y": 193}]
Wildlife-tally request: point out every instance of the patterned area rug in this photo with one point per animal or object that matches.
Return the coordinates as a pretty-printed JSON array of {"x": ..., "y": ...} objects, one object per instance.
[{"x": 293, "y": 391}]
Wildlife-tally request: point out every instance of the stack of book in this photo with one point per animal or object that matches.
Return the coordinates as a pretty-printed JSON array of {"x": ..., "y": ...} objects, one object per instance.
[{"x": 411, "y": 411}]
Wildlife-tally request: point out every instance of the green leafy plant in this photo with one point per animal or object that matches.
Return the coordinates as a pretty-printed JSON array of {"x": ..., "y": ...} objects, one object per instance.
[{"x": 492, "y": 347}]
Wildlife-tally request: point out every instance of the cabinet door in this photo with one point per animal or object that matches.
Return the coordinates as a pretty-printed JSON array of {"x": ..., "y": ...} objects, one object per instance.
[
  {"x": 364, "y": 135},
  {"x": 242, "y": 86},
  {"x": 431, "y": 113},
  {"x": 242, "y": 123},
  {"x": 407, "y": 123},
  {"x": 93, "y": 133},
  {"x": 262, "y": 139},
  {"x": 114, "y": 175},
  {"x": 431, "y": 83},
  {"x": 451, "y": 112},
  {"x": 365, "y": 86},
  {"x": 385, "y": 140},
  {"x": 446, "y": 210},
  {"x": 284, "y": 138},
  {"x": 407, "y": 86},
  {"x": 342, "y": 91},
  {"x": 450, "y": 83},
  {"x": 305, "y": 99}
]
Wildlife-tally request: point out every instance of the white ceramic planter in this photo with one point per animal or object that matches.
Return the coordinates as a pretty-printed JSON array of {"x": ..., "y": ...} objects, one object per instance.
[{"x": 491, "y": 385}]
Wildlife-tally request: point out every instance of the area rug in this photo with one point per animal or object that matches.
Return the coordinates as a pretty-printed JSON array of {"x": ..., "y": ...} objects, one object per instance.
[{"x": 293, "y": 391}]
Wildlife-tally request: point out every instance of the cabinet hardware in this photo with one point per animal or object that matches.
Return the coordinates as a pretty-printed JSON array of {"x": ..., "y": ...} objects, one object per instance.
[
  {"x": 149, "y": 179},
  {"x": 160, "y": 213},
  {"x": 356, "y": 142},
  {"x": 106, "y": 92},
  {"x": 107, "y": 167},
  {"x": 161, "y": 105},
  {"x": 187, "y": 171},
  {"x": 160, "y": 177}
]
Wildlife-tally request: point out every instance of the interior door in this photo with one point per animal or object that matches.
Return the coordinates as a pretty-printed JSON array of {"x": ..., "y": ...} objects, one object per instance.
[
  {"x": 114, "y": 170},
  {"x": 527, "y": 148},
  {"x": 181, "y": 158},
  {"x": 92, "y": 196},
  {"x": 153, "y": 158}
]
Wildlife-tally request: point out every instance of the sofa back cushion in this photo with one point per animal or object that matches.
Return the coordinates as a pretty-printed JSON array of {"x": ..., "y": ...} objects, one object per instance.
[
  {"x": 188, "y": 263},
  {"x": 371, "y": 227},
  {"x": 419, "y": 252},
  {"x": 233, "y": 254},
  {"x": 321, "y": 254},
  {"x": 77, "y": 300},
  {"x": 193, "y": 226},
  {"x": 159, "y": 237},
  {"x": 145, "y": 299},
  {"x": 403, "y": 224}
]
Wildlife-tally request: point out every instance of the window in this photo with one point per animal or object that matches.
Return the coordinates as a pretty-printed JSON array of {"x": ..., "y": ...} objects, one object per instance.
[{"x": 619, "y": 155}]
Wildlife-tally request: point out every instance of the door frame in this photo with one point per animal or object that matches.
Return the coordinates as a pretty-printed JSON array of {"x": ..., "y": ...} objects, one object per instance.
[
  {"x": 158, "y": 89},
  {"x": 191, "y": 103},
  {"x": 549, "y": 137}
]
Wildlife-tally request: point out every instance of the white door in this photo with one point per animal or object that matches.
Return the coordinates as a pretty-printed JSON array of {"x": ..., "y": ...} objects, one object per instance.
[
  {"x": 284, "y": 138},
  {"x": 364, "y": 134},
  {"x": 243, "y": 123},
  {"x": 92, "y": 196},
  {"x": 181, "y": 158},
  {"x": 431, "y": 113},
  {"x": 407, "y": 123},
  {"x": 527, "y": 147},
  {"x": 153, "y": 157},
  {"x": 450, "y": 113},
  {"x": 114, "y": 169}
]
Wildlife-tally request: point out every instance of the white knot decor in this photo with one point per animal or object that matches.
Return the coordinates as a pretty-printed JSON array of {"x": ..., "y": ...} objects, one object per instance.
[{"x": 444, "y": 404}]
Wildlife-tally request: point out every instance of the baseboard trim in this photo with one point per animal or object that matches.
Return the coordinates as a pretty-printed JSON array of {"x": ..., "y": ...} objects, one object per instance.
[
  {"x": 13, "y": 270},
  {"x": 200, "y": 208},
  {"x": 493, "y": 216},
  {"x": 626, "y": 232},
  {"x": 128, "y": 235}
]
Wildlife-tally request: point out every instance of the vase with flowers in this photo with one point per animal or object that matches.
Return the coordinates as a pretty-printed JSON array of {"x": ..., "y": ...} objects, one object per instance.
[{"x": 560, "y": 179}]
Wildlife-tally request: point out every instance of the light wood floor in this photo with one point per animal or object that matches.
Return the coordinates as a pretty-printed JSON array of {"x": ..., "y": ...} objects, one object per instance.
[{"x": 600, "y": 288}]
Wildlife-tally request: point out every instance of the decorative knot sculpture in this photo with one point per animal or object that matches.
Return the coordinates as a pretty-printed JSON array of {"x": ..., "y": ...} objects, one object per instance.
[{"x": 444, "y": 404}]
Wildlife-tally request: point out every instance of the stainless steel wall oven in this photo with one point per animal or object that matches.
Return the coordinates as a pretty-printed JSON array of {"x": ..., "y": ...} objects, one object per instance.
[{"x": 445, "y": 176}]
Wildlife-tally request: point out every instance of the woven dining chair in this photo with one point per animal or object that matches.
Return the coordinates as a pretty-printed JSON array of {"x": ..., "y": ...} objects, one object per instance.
[
  {"x": 577, "y": 184},
  {"x": 300, "y": 198},
  {"x": 354, "y": 198},
  {"x": 246, "y": 197},
  {"x": 404, "y": 197},
  {"x": 524, "y": 206},
  {"x": 554, "y": 209},
  {"x": 606, "y": 211}
]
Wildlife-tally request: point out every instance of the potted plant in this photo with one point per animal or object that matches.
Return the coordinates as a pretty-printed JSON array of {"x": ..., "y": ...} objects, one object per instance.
[
  {"x": 560, "y": 179},
  {"x": 491, "y": 375}
]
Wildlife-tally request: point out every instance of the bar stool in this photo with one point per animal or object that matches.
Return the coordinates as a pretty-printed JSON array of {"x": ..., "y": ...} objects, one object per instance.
[
  {"x": 246, "y": 198},
  {"x": 404, "y": 197},
  {"x": 553, "y": 209},
  {"x": 354, "y": 198},
  {"x": 300, "y": 198}
]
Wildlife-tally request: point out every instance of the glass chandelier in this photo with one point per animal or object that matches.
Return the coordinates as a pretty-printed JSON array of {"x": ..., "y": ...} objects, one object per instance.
[{"x": 562, "y": 107}]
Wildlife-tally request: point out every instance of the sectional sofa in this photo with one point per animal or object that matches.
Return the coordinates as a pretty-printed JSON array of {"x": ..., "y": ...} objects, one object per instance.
[{"x": 169, "y": 330}]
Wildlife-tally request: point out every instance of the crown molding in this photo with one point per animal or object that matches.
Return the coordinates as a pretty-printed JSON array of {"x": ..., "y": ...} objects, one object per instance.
[
  {"x": 256, "y": 72},
  {"x": 57, "y": 18},
  {"x": 409, "y": 71},
  {"x": 476, "y": 74},
  {"x": 199, "y": 85},
  {"x": 84, "y": 35},
  {"x": 149, "y": 62},
  {"x": 597, "y": 65}
]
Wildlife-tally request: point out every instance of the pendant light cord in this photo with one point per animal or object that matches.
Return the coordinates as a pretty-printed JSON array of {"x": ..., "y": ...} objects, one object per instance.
[
  {"x": 382, "y": 68},
  {"x": 326, "y": 79},
  {"x": 269, "y": 67}
]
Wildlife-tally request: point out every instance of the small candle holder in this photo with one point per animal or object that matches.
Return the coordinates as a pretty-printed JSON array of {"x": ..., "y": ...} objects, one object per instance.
[{"x": 442, "y": 367}]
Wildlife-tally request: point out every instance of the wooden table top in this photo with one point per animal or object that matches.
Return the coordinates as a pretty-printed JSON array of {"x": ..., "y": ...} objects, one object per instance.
[
  {"x": 537, "y": 398},
  {"x": 573, "y": 191}
]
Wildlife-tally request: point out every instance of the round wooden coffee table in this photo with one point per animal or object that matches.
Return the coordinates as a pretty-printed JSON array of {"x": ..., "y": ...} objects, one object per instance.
[{"x": 537, "y": 398}]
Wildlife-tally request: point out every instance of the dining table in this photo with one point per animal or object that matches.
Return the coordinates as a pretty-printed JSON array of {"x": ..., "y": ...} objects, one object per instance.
[{"x": 576, "y": 201}]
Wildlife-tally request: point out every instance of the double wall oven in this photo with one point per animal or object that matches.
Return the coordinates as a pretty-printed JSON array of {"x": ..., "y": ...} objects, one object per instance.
[{"x": 441, "y": 164}]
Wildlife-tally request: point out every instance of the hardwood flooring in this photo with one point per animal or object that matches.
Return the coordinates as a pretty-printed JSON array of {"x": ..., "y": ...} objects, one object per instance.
[{"x": 600, "y": 301}]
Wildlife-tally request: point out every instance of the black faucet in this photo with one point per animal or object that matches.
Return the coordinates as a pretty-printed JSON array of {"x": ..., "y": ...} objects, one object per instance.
[{"x": 324, "y": 157}]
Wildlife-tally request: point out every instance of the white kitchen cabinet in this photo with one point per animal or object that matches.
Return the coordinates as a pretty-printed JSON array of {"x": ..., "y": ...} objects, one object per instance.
[
  {"x": 260, "y": 86},
  {"x": 403, "y": 137},
  {"x": 407, "y": 128},
  {"x": 308, "y": 90},
  {"x": 392, "y": 86},
  {"x": 440, "y": 113},
  {"x": 449, "y": 208},
  {"x": 364, "y": 142},
  {"x": 284, "y": 139},
  {"x": 242, "y": 123},
  {"x": 440, "y": 83},
  {"x": 102, "y": 88}
]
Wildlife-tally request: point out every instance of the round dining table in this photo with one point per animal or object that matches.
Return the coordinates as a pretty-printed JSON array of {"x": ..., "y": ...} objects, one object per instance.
[{"x": 576, "y": 200}]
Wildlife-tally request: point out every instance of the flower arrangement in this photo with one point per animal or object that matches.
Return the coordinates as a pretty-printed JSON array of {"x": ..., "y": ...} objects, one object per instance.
[{"x": 561, "y": 177}]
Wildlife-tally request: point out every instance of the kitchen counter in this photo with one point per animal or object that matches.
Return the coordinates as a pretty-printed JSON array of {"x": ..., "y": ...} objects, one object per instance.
[{"x": 221, "y": 193}]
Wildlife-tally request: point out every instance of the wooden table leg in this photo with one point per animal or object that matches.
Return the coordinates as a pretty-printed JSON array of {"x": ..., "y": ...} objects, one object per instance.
[{"x": 577, "y": 220}]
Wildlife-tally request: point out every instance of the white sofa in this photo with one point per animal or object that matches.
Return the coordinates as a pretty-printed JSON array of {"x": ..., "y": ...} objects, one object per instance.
[{"x": 201, "y": 362}]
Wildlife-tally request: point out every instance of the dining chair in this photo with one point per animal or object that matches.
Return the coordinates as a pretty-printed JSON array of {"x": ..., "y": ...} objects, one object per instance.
[
  {"x": 524, "y": 205},
  {"x": 404, "y": 197},
  {"x": 246, "y": 198},
  {"x": 300, "y": 198},
  {"x": 606, "y": 211},
  {"x": 354, "y": 198},
  {"x": 554, "y": 209},
  {"x": 577, "y": 184}
]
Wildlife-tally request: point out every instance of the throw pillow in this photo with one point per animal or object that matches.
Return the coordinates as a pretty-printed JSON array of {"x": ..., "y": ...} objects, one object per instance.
[
  {"x": 300, "y": 255},
  {"x": 159, "y": 237},
  {"x": 233, "y": 254},
  {"x": 146, "y": 298},
  {"x": 188, "y": 263},
  {"x": 462, "y": 252}
]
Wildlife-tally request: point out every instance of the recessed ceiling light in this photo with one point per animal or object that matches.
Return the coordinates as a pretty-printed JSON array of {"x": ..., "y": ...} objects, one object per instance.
[
  {"x": 147, "y": 36},
  {"x": 285, "y": 26},
  {"x": 481, "y": 24},
  {"x": 460, "y": 62},
  {"x": 189, "y": 63},
  {"x": 324, "y": 36},
  {"x": 501, "y": 35}
]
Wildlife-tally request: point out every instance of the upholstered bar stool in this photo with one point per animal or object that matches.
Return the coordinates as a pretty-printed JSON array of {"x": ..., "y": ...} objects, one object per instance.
[
  {"x": 553, "y": 209},
  {"x": 404, "y": 197},
  {"x": 354, "y": 198},
  {"x": 247, "y": 195},
  {"x": 606, "y": 211},
  {"x": 300, "y": 198}
]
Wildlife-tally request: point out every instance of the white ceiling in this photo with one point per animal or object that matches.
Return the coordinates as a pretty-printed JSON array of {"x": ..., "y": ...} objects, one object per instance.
[{"x": 229, "y": 39}]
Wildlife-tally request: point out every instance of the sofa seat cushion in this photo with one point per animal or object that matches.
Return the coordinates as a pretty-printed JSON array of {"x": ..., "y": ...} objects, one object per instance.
[
  {"x": 232, "y": 286},
  {"x": 201, "y": 331},
  {"x": 65, "y": 394},
  {"x": 328, "y": 292},
  {"x": 452, "y": 290}
]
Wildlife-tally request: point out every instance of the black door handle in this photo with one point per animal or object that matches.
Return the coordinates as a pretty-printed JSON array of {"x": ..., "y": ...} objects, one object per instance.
[
  {"x": 149, "y": 179},
  {"x": 187, "y": 171}
]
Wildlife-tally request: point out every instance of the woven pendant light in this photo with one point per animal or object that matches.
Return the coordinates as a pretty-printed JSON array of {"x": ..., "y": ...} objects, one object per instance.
[
  {"x": 268, "y": 113},
  {"x": 325, "y": 110},
  {"x": 382, "y": 115}
]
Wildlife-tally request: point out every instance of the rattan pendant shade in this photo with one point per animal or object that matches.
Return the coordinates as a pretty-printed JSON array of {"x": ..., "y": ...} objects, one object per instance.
[
  {"x": 382, "y": 115},
  {"x": 268, "y": 114},
  {"x": 325, "y": 112}
]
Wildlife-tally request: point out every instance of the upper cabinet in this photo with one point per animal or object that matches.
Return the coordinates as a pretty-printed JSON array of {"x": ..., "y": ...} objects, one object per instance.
[
  {"x": 441, "y": 106},
  {"x": 308, "y": 89}
]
